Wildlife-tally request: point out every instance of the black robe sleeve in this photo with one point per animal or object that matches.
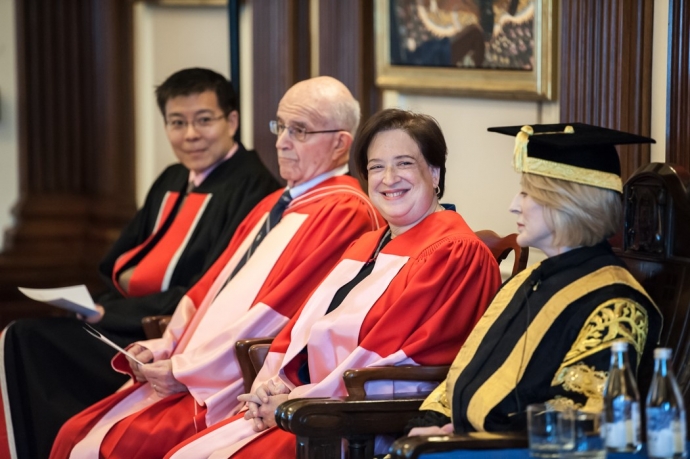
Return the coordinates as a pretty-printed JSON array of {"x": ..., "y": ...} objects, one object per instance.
[{"x": 236, "y": 185}]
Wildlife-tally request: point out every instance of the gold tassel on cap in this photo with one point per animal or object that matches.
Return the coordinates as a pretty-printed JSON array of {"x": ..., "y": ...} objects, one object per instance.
[
  {"x": 520, "y": 152},
  {"x": 522, "y": 139}
]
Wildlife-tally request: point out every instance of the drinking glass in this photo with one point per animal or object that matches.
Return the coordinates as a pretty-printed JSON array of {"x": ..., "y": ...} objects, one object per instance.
[
  {"x": 550, "y": 431},
  {"x": 589, "y": 441}
]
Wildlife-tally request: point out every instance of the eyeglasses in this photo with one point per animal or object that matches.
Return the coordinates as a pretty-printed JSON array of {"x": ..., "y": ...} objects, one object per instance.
[
  {"x": 200, "y": 123},
  {"x": 295, "y": 132}
]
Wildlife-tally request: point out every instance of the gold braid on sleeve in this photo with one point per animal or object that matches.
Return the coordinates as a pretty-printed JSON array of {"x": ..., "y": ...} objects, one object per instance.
[{"x": 616, "y": 319}]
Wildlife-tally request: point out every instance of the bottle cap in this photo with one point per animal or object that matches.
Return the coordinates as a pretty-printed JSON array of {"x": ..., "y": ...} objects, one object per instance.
[
  {"x": 618, "y": 346},
  {"x": 662, "y": 353}
]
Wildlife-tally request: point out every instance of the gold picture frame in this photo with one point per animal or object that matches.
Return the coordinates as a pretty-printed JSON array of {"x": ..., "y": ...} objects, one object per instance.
[
  {"x": 537, "y": 83},
  {"x": 187, "y": 2}
]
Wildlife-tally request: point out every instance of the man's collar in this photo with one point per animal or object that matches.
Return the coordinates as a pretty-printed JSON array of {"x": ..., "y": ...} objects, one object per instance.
[
  {"x": 302, "y": 188},
  {"x": 198, "y": 178}
]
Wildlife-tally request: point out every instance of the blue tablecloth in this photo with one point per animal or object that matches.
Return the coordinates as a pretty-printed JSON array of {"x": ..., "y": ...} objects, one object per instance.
[{"x": 517, "y": 454}]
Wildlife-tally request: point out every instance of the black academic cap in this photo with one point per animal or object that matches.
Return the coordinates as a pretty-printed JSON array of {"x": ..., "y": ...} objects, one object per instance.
[{"x": 576, "y": 152}]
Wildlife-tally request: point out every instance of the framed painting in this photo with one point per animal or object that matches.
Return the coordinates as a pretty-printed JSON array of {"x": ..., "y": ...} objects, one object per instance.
[
  {"x": 188, "y": 2},
  {"x": 479, "y": 48}
]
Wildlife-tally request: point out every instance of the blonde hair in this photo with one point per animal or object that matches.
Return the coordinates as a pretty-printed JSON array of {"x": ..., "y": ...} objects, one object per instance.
[{"x": 578, "y": 215}]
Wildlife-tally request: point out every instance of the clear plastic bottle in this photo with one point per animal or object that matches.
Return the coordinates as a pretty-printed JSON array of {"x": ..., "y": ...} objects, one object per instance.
[
  {"x": 665, "y": 411},
  {"x": 621, "y": 403}
]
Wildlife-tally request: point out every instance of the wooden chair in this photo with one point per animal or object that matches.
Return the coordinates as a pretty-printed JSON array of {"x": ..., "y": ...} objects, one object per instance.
[
  {"x": 654, "y": 243},
  {"x": 656, "y": 248},
  {"x": 154, "y": 326},
  {"x": 320, "y": 424},
  {"x": 251, "y": 354},
  {"x": 502, "y": 246}
]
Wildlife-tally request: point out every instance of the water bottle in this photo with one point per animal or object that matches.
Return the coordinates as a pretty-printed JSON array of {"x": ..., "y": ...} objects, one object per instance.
[
  {"x": 665, "y": 411},
  {"x": 621, "y": 403}
]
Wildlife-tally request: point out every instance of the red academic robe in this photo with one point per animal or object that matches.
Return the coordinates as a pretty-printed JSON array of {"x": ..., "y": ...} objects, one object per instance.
[
  {"x": 295, "y": 255},
  {"x": 51, "y": 366},
  {"x": 428, "y": 288}
]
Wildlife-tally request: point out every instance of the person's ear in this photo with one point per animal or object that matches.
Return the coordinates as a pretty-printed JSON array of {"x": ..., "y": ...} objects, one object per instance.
[
  {"x": 341, "y": 145},
  {"x": 233, "y": 120},
  {"x": 435, "y": 175}
]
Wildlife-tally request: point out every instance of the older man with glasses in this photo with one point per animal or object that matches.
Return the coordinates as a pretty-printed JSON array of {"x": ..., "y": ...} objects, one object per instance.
[
  {"x": 52, "y": 368},
  {"x": 190, "y": 378}
]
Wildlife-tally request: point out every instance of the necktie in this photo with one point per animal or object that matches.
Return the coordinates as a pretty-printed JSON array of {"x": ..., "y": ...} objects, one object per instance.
[{"x": 272, "y": 220}]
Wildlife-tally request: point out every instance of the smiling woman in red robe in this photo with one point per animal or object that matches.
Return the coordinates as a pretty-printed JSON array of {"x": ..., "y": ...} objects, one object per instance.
[{"x": 407, "y": 294}]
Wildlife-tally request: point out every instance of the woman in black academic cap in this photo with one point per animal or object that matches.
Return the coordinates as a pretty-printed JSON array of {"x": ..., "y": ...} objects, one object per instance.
[{"x": 546, "y": 336}]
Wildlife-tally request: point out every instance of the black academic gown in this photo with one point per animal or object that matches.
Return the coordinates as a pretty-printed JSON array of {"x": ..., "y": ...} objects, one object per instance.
[
  {"x": 547, "y": 337},
  {"x": 53, "y": 369}
]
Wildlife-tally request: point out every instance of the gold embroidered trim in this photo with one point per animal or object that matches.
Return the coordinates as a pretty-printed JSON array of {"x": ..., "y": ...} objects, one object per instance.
[
  {"x": 593, "y": 405},
  {"x": 481, "y": 329},
  {"x": 509, "y": 374},
  {"x": 563, "y": 404},
  {"x": 615, "y": 319},
  {"x": 572, "y": 173},
  {"x": 437, "y": 400},
  {"x": 584, "y": 380},
  {"x": 522, "y": 162}
]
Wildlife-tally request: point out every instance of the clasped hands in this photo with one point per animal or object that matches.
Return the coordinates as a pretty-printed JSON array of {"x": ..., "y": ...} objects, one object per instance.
[
  {"x": 159, "y": 374},
  {"x": 431, "y": 430},
  {"x": 262, "y": 404}
]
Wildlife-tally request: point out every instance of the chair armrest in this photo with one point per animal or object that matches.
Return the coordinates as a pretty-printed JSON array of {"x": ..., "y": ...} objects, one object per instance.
[
  {"x": 242, "y": 348},
  {"x": 413, "y": 447},
  {"x": 355, "y": 379},
  {"x": 163, "y": 323},
  {"x": 257, "y": 355},
  {"x": 154, "y": 326},
  {"x": 342, "y": 417}
]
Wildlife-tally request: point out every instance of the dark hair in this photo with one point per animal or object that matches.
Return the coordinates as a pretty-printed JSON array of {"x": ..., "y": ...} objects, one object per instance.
[
  {"x": 423, "y": 129},
  {"x": 195, "y": 81}
]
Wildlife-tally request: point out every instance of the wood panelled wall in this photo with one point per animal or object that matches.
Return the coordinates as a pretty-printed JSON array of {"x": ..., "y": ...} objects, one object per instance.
[
  {"x": 76, "y": 144},
  {"x": 281, "y": 58},
  {"x": 350, "y": 58},
  {"x": 76, "y": 118},
  {"x": 678, "y": 101},
  {"x": 606, "y": 64}
]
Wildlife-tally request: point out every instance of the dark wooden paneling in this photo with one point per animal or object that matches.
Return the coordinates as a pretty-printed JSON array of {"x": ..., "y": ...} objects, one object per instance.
[
  {"x": 606, "y": 52},
  {"x": 76, "y": 144},
  {"x": 346, "y": 51},
  {"x": 281, "y": 58},
  {"x": 678, "y": 120}
]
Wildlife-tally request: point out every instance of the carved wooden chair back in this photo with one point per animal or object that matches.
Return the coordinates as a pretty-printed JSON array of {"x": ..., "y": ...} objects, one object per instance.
[
  {"x": 655, "y": 245},
  {"x": 502, "y": 246}
]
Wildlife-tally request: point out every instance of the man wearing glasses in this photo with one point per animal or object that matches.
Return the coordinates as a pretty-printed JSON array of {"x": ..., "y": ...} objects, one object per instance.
[
  {"x": 190, "y": 379},
  {"x": 191, "y": 212}
]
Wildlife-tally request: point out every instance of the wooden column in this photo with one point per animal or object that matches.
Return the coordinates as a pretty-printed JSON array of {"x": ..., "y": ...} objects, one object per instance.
[
  {"x": 606, "y": 55},
  {"x": 678, "y": 111},
  {"x": 281, "y": 58},
  {"x": 76, "y": 144},
  {"x": 346, "y": 50}
]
